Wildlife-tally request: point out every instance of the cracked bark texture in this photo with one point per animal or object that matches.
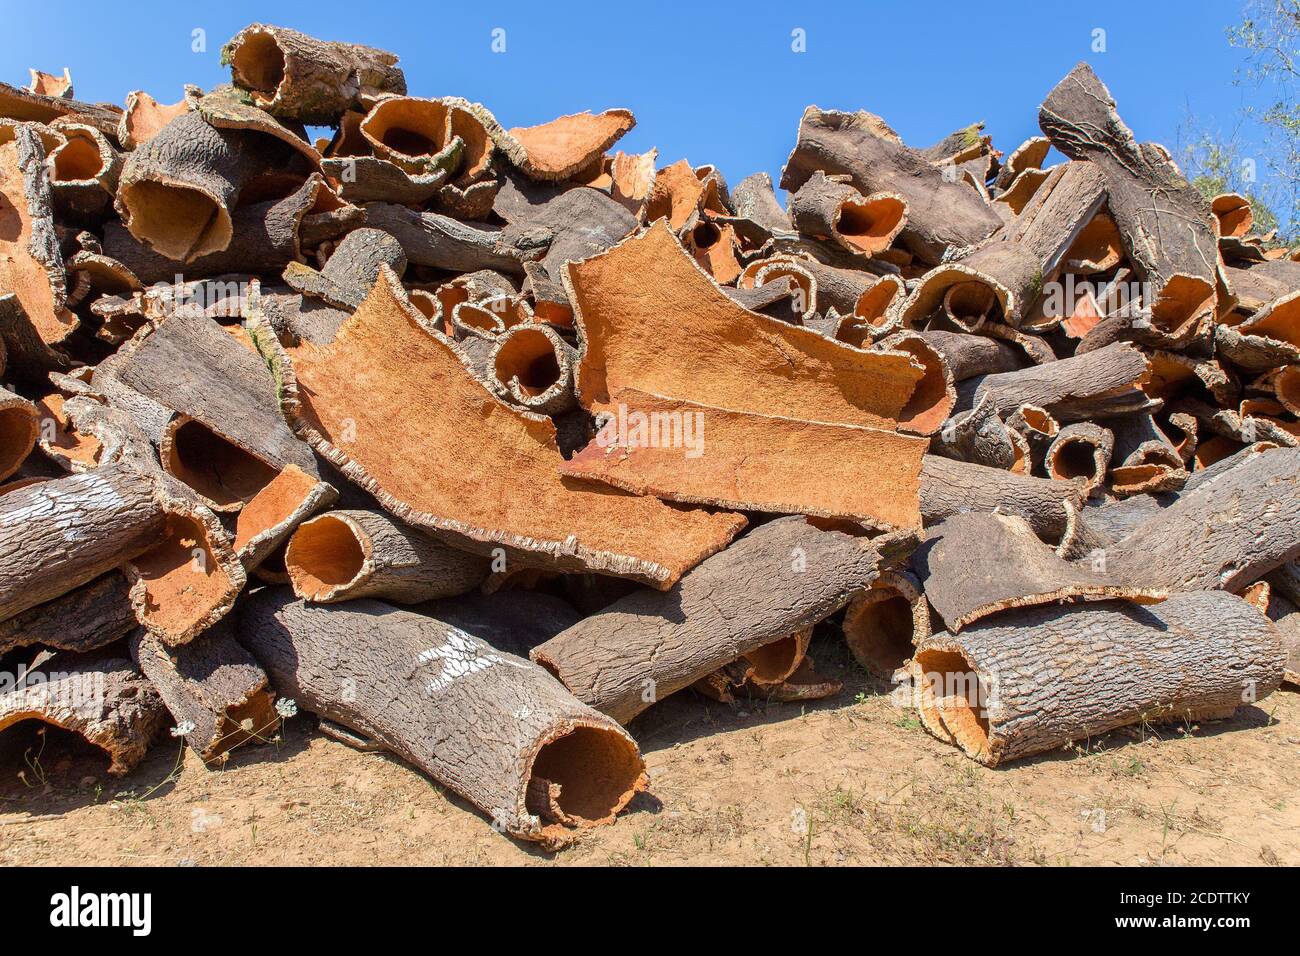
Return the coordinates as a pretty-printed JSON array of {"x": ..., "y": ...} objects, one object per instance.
[
  {"x": 951, "y": 487},
  {"x": 781, "y": 577},
  {"x": 487, "y": 725},
  {"x": 85, "y": 619},
  {"x": 1048, "y": 676}
]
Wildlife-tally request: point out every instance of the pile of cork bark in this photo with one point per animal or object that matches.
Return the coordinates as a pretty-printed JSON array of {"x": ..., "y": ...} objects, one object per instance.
[{"x": 474, "y": 442}]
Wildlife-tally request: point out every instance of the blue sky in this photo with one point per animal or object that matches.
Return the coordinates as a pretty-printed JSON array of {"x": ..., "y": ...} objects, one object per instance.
[{"x": 714, "y": 82}]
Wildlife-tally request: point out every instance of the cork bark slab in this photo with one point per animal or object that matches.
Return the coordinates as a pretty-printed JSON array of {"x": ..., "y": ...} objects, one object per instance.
[
  {"x": 453, "y": 458},
  {"x": 756, "y": 462},
  {"x": 976, "y": 565},
  {"x": 643, "y": 309},
  {"x": 560, "y": 148},
  {"x": 1036, "y": 679}
]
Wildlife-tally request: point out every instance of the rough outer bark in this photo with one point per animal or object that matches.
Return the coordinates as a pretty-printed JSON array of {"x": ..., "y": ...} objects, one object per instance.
[
  {"x": 429, "y": 239},
  {"x": 178, "y": 192},
  {"x": 227, "y": 439},
  {"x": 494, "y": 728},
  {"x": 951, "y": 487},
  {"x": 1038, "y": 429},
  {"x": 1283, "y": 612},
  {"x": 19, "y": 427},
  {"x": 1146, "y": 460},
  {"x": 970, "y": 355},
  {"x": 941, "y": 214},
  {"x": 295, "y": 76},
  {"x": 978, "y": 437},
  {"x": 294, "y": 318},
  {"x": 751, "y": 462},
  {"x": 826, "y": 208},
  {"x": 514, "y": 621},
  {"x": 58, "y": 535},
  {"x": 644, "y": 307},
  {"x": 1226, "y": 534},
  {"x": 344, "y": 555},
  {"x": 89, "y": 617},
  {"x": 1082, "y": 450},
  {"x": 332, "y": 396},
  {"x": 1011, "y": 272},
  {"x": 24, "y": 105},
  {"x": 83, "y": 174},
  {"x": 1058, "y": 214},
  {"x": 265, "y": 238},
  {"x": 100, "y": 696},
  {"x": 754, "y": 199},
  {"x": 31, "y": 264},
  {"x": 363, "y": 179},
  {"x": 783, "y": 576},
  {"x": 212, "y": 683},
  {"x": 780, "y": 671},
  {"x": 1073, "y": 388},
  {"x": 1166, "y": 223},
  {"x": 1197, "y": 656},
  {"x": 974, "y": 565},
  {"x": 351, "y": 270},
  {"x": 884, "y": 624}
]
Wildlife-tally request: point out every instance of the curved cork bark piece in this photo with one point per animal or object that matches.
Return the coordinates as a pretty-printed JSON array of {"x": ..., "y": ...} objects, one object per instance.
[
  {"x": 1106, "y": 380},
  {"x": 144, "y": 117},
  {"x": 970, "y": 355},
  {"x": 978, "y": 437},
  {"x": 1283, "y": 384},
  {"x": 1232, "y": 215},
  {"x": 1272, "y": 336},
  {"x": 1080, "y": 451},
  {"x": 699, "y": 454},
  {"x": 940, "y": 214},
  {"x": 266, "y": 237},
  {"x": 1147, "y": 461},
  {"x": 29, "y": 107},
  {"x": 331, "y": 395},
  {"x": 648, "y": 645},
  {"x": 178, "y": 191},
  {"x": 344, "y": 555},
  {"x": 85, "y": 619},
  {"x": 679, "y": 194},
  {"x": 226, "y": 438},
  {"x": 99, "y": 696},
  {"x": 644, "y": 306},
  {"x": 562, "y": 147},
  {"x": 19, "y": 429},
  {"x": 829, "y": 208},
  {"x": 781, "y": 671},
  {"x": 420, "y": 135},
  {"x": 31, "y": 265},
  {"x": 109, "y": 515},
  {"x": 996, "y": 282},
  {"x": 266, "y": 522},
  {"x": 884, "y": 624},
  {"x": 364, "y": 179},
  {"x": 755, "y": 199},
  {"x": 228, "y": 108},
  {"x": 1188, "y": 546},
  {"x": 51, "y": 84},
  {"x": 440, "y": 242},
  {"x": 935, "y": 395},
  {"x": 974, "y": 565},
  {"x": 1028, "y": 155},
  {"x": 1038, "y": 428},
  {"x": 295, "y": 76},
  {"x": 875, "y": 313},
  {"x": 1197, "y": 656},
  {"x": 1166, "y": 224},
  {"x": 493, "y": 728},
  {"x": 532, "y": 367},
  {"x": 83, "y": 173},
  {"x": 213, "y": 684},
  {"x": 351, "y": 270},
  {"x": 954, "y": 487}
]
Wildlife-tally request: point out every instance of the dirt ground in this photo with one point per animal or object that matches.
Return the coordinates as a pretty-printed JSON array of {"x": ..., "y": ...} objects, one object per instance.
[{"x": 851, "y": 780}]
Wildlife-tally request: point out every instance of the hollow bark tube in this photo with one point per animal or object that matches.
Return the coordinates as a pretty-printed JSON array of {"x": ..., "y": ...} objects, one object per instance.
[
  {"x": 58, "y": 535},
  {"x": 534, "y": 367},
  {"x": 177, "y": 192},
  {"x": 101, "y": 697},
  {"x": 648, "y": 645},
  {"x": 19, "y": 427},
  {"x": 344, "y": 555},
  {"x": 1082, "y": 451},
  {"x": 951, "y": 487},
  {"x": 884, "y": 624},
  {"x": 1197, "y": 656},
  {"x": 827, "y": 209},
  {"x": 1071, "y": 388},
  {"x": 1190, "y": 546},
  {"x": 494, "y": 728},
  {"x": 292, "y": 75}
]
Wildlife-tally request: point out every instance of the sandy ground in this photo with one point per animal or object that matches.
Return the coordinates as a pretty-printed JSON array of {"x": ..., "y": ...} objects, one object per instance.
[{"x": 852, "y": 780}]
